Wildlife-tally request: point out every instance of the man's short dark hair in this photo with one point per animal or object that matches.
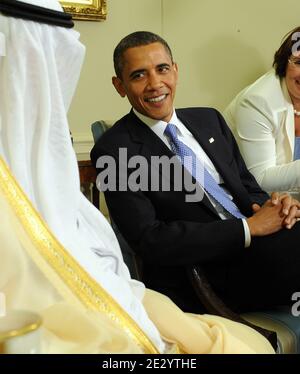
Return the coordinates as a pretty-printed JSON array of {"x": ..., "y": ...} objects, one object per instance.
[
  {"x": 136, "y": 39},
  {"x": 284, "y": 52}
]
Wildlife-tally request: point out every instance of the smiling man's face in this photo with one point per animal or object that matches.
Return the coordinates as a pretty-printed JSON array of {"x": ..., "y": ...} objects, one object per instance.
[{"x": 149, "y": 79}]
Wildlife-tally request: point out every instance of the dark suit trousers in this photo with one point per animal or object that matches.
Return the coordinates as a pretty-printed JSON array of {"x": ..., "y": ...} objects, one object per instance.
[{"x": 264, "y": 275}]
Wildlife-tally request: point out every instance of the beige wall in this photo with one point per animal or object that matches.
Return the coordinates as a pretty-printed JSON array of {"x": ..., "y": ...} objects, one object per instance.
[
  {"x": 220, "y": 46},
  {"x": 223, "y": 45},
  {"x": 95, "y": 97}
]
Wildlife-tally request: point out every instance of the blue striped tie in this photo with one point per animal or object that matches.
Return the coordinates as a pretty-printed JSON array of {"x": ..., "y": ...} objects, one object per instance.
[{"x": 188, "y": 158}]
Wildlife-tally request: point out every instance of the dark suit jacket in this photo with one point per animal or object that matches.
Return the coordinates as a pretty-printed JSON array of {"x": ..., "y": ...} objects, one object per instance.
[{"x": 165, "y": 230}]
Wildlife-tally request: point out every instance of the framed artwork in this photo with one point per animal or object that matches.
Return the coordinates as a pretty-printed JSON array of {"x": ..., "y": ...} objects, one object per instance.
[{"x": 89, "y": 10}]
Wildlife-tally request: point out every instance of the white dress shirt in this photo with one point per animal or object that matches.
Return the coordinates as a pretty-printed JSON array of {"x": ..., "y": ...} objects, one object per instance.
[{"x": 186, "y": 137}]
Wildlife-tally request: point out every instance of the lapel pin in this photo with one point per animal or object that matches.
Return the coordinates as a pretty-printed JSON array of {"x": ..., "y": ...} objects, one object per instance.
[{"x": 211, "y": 140}]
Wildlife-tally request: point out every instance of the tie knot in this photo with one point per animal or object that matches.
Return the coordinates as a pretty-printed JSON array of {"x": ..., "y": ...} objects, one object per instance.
[{"x": 171, "y": 131}]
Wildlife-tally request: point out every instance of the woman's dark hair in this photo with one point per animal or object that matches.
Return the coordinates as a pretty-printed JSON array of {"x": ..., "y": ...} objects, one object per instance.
[
  {"x": 136, "y": 39},
  {"x": 282, "y": 55}
]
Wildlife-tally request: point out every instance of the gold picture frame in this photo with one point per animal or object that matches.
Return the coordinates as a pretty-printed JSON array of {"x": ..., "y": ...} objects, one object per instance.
[{"x": 88, "y": 10}]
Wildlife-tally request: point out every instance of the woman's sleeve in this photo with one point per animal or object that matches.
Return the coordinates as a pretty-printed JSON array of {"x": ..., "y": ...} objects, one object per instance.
[{"x": 256, "y": 137}]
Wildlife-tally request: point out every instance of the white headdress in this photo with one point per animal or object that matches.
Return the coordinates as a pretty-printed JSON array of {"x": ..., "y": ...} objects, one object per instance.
[
  {"x": 49, "y": 4},
  {"x": 39, "y": 73}
]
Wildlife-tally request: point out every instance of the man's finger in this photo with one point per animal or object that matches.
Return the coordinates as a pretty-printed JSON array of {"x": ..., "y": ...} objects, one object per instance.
[
  {"x": 292, "y": 215},
  {"x": 286, "y": 204},
  {"x": 293, "y": 221},
  {"x": 275, "y": 198}
]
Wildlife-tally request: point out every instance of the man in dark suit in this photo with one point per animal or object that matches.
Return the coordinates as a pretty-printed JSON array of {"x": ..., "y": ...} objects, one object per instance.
[{"x": 246, "y": 241}]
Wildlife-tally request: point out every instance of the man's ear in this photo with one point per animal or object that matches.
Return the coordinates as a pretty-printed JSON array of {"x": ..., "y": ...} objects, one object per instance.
[
  {"x": 119, "y": 86},
  {"x": 175, "y": 67}
]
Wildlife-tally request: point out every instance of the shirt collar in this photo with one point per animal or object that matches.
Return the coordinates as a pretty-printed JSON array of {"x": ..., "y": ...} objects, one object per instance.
[{"x": 159, "y": 126}]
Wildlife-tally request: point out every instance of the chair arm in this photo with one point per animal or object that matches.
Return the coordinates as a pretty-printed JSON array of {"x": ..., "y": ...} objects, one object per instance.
[{"x": 214, "y": 305}]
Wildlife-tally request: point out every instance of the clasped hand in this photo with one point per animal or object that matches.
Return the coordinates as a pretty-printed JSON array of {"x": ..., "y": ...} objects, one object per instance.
[{"x": 280, "y": 211}]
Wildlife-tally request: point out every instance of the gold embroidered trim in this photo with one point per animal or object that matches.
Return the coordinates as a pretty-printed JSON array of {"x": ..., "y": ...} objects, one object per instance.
[
  {"x": 32, "y": 326},
  {"x": 86, "y": 289}
]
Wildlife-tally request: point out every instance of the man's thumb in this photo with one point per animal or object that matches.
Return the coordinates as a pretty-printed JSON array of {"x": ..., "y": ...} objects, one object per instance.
[{"x": 255, "y": 208}]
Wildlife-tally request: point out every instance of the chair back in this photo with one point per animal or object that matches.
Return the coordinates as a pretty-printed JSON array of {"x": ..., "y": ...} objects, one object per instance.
[{"x": 98, "y": 129}]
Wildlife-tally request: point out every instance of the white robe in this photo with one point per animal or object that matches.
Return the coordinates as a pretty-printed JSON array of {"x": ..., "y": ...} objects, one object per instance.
[{"x": 39, "y": 73}]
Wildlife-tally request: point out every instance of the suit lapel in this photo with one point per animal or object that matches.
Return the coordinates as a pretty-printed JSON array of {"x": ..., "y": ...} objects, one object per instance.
[
  {"x": 206, "y": 137},
  {"x": 152, "y": 145},
  {"x": 214, "y": 147},
  {"x": 149, "y": 142}
]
